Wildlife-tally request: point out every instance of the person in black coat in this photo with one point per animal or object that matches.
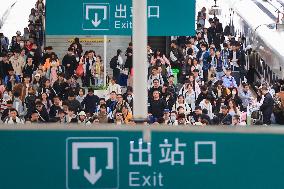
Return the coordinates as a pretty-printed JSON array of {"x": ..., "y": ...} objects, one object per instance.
[
  {"x": 211, "y": 33},
  {"x": 5, "y": 65},
  {"x": 46, "y": 88},
  {"x": 55, "y": 109},
  {"x": 6, "y": 112},
  {"x": 90, "y": 102},
  {"x": 78, "y": 49},
  {"x": 69, "y": 62},
  {"x": 89, "y": 62},
  {"x": 73, "y": 103},
  {"x": 1, "y": 66},
  {"x": 114, "y": 65},
  {"x": 36, "y": 54},
  {"x": 157, "y": 105},
  {"x": 29, "y": 67},
  {"x": 41, "y": 110},
  {"x": 129, "y": 55},
  {"x": 61, "y": 87},
  {"x": 205, "y": 92},
  {"x": 267, "y": 106},
  {"x": 223, "y": 118}
]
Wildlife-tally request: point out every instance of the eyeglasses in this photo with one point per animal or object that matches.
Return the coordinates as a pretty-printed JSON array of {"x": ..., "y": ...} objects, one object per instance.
[{"x": 118, "y": 114}]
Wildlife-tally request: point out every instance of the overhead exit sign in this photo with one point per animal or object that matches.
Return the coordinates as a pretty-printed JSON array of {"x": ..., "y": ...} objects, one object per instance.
[
  {"x": 114, "y": 17},
  {"x": 121, "y": 159}
]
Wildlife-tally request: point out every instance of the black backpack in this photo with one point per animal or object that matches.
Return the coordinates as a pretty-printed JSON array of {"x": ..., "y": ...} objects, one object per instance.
[{"x": 113, "y": 62}]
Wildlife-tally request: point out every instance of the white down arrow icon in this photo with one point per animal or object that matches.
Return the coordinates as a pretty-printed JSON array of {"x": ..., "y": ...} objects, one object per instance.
[
  {"x": 93, "y": 176},
  {"x": 96, "y": 22}
]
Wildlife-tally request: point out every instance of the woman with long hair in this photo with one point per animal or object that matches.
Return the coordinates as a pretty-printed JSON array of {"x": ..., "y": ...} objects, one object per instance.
[
  {"x": 45, "y": 101},
  {"x": 233, "y": 109}
]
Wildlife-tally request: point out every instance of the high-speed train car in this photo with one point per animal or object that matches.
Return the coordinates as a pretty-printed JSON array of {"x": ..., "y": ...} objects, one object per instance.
[{"x": 256, "y": 19}]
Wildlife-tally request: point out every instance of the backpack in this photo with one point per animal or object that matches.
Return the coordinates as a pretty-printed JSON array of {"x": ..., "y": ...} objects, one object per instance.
[{"x": 113, "y": 62}]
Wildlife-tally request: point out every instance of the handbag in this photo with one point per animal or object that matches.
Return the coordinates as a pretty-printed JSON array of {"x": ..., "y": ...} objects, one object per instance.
[{"x": 80, "y": 70}]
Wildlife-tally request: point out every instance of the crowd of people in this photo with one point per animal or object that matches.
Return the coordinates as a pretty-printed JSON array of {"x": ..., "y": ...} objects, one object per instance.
[{"x": 202, "y": 81}]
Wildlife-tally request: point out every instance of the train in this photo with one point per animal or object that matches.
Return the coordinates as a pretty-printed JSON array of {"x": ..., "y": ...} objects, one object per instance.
[{"x": 254, "y": 20}]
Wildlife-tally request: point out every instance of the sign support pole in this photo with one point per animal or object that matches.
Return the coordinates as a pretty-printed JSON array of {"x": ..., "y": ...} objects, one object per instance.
[
  {"x": 105, "y": 59},
  {"x": 139, "y": 38}
]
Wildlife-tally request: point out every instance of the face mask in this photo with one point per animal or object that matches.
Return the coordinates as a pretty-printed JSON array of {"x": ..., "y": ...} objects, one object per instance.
[
  {"x": 5, "y": 95},
  {"x": 234, "y": 92},
  {"x": 129, "y": 98},
  {"x": 173, "y": 118},
  {"x": 22, "y": 45}
]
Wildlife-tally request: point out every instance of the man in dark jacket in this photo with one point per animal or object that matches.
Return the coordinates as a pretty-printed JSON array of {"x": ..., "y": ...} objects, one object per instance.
[
  {"x": 129, "y": 54},
  {"x": 6, "y": 112},
  {"x": 61, "y": 87},
  {"x": 5, "y": 66},
  {"x": 29, "y": 67},
  {"x": 219, "y": 33},
  {"x": 73, "y": 103},
  {"x": 112, "y": 101},
  {"x": 54, "y": 109},
  {"x": 203, "y": 95},
  {"x": 223, "y": 118},
  {"x": 176, "y": 57},
  {"x": 115, "y": 66},
  {"x": 1, "y": 65},
  {"x": 42, "y": 112},
  {"x": 69, "y": 62},
  {"x": 36, "y": 54},
  {"x": 88, "y": 64},
  {"x": 90, "y": 102},
  {"x": 267, "y": 106},
  {"x": 46, "y": 88},
  {"x": 157, "y": 106},
  {"x": 211, "y": 33},
  {"x": 78, "y": 49}
]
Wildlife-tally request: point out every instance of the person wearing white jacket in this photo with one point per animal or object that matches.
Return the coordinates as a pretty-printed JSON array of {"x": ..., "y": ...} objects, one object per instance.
[
  {"x": 181, "y": 103},
  {"x": 13, "y": 118},
  {"x": 190, "y": 97},
  {"x": 113, "y": 86},
  {"x": 206, "y": 104}
]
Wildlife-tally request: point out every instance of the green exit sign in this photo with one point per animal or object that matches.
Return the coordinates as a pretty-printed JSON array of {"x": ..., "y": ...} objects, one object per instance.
[
  {"x": 114, "y": 17},
  {"x": 121, "y": 159}
]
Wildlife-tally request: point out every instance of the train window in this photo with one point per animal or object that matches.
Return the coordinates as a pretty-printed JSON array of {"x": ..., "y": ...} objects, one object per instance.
[
  {"x": 270, "y": 75},
  {"x": 273, "y": 78}
]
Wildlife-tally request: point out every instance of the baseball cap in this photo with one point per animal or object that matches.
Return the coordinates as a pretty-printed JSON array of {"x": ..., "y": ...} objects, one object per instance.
[{"x": 166, "y": 111}]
